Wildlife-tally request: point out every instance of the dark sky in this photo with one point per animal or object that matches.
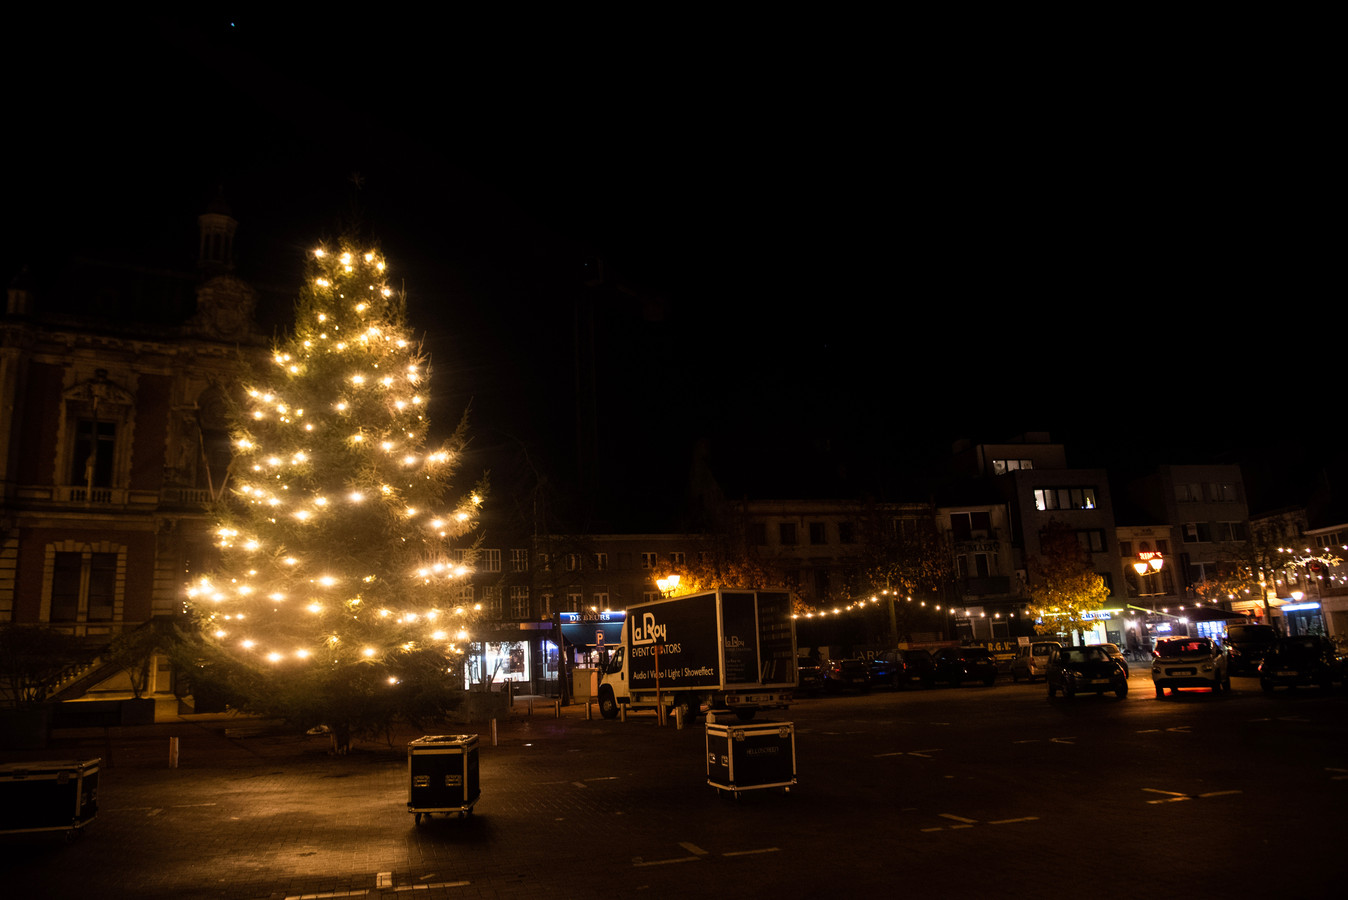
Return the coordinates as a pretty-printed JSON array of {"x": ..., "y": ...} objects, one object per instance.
[{"x": 830, "y": 243}]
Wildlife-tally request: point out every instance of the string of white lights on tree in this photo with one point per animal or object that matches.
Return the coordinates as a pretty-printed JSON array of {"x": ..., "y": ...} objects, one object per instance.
[{"x": 338, "y": 542}]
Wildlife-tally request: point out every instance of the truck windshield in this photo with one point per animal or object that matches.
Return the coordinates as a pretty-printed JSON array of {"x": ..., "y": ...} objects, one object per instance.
[{"x": 615, "y": 664}]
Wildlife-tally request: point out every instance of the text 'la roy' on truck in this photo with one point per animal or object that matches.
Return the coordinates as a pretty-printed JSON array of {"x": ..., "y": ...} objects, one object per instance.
[{"x": 717, "y": 650}]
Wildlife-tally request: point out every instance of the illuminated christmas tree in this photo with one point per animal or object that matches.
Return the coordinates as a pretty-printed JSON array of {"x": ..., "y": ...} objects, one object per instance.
[{"x": 339, "y": 598}]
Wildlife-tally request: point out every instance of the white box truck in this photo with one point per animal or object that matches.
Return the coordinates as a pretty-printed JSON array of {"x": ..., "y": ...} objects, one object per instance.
[{"x": 716, "y": 650}]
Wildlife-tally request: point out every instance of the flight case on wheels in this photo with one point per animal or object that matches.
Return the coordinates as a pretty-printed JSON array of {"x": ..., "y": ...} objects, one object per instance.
[
  {"x": 48, "y": 796},
  {"x": 747, "y": 757},
  {"x": 442, "y": 775}
]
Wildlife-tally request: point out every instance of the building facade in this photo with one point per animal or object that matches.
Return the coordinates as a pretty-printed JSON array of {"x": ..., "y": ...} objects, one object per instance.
[{"x": 114, "y": 437}]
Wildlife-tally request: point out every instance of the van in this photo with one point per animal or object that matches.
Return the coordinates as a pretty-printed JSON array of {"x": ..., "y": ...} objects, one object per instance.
[{"x": 1032, "y": 659}]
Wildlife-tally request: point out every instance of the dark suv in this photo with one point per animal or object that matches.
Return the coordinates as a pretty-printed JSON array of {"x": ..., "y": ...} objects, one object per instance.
[
  {"x": 957, "y": 665},
  {"x": 1309, "y": 659},
  {"x": 902, "y": 668},
  {"x": 1247, "y": 645}
]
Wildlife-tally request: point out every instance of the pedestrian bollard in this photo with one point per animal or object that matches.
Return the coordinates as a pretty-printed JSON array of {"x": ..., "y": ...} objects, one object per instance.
[
  {"x": 556, "y": 709},
  {"x": 589, "y": 710},
  {"x": 493, "y": 732},
  {"x": 678, "y": 718},
  {"x": 173, "y": 753},
  {"x": 531, "y": 706},
  {"x": 622, "y": 712}
]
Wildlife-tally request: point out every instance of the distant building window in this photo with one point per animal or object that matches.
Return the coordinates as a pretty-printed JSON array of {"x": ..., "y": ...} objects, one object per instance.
[
  {"x": 572, "y": 562},
  {"x": 1197, "y": 532},
  {"x": 1092, "y": 540},
  {"x": 519, "y": 560},
  {"x": 1002, "y": 466},
  {"x": 600, "y": 562},
  {"x": 649, "y": 560},
  {"x": 786, "y": 534},
  {"x": 601, "y": 600},
  {"x": 573, "y": 601},
  {"x": 1064, "y": 498},
  {"x": 676, "y": 558},
  {"x": 519, "y": 602},
  {"x": 1230, "y": 531},
  {"x": 1188, "y": 493},
  {"x": 847, "y": 533},
  {"x": 817, "y": 535},
  {"x": 95, "y": 449},
  {"x": 83, "y": 584},
  {"x": 491, "y": 560},
  {"x": 1222, "y": 492},
  {"x": 758, "y": 534},
  {"x": 491, "y": 600}
]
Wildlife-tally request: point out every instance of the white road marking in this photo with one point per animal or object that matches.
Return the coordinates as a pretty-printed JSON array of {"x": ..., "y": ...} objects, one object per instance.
[
  {"x": 959, "y": 818},
  {"x": 638, "y": 862},
  {"x": 1011, "y": 821},
  {"x": 752, "y": 852},
  {"x": 692, "y": 848},
  {"x": 1217, "y": 794}
]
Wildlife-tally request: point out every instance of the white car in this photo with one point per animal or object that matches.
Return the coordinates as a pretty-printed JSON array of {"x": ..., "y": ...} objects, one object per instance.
[
  {"x": 1032, "y": 660},
  {"x": 1190, "y": 662}
]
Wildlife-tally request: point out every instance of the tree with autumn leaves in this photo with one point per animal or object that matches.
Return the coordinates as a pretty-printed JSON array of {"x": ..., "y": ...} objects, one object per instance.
[
  {"x": 339, "y": 597},
  {"x": 1064, "y": 589}
]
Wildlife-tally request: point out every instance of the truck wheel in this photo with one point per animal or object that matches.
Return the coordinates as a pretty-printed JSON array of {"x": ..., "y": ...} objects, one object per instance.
[
  {"x": 745, "y": 715},
  {"x": 608, "y": 706}
]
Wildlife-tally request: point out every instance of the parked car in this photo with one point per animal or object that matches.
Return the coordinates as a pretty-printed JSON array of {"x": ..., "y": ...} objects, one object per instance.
[
  {"x": 1189, "y": 662},
  {"x": 809, "y": 674},
  {"x": 846, "y": 674},
  {"x": 957, "y": 665},
  {"x": 902, "y": 668},
  {"x": 1308, "y": 659},
  {"x": 1115, "y": 654},
  {"x": 1075, "y": 670},
  {"x": 1032, "y": 660},
  {"x": 1246, "y": 645}
]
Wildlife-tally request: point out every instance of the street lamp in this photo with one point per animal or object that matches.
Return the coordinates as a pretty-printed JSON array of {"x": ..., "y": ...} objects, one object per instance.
[
  {"x": 667, "y": 584},
  {"x": 1148, "y": 561}
]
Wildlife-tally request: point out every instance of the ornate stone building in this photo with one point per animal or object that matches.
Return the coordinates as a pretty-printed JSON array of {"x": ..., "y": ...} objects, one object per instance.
[{"x": 114, "y": 385}]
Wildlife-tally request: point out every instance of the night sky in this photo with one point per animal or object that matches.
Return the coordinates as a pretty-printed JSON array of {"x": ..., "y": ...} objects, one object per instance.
[{"x": 831, "y": 246}]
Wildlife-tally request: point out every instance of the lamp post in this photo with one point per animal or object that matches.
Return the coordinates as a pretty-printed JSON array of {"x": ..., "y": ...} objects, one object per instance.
[{"x": 1148, "y": 562}]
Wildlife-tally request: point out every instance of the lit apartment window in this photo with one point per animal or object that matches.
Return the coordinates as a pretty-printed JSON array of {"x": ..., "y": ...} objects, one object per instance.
[
  {"x": 545, "y": 602},
  {"x": 1002, "y": 466},
  {"x": 601, "y": 600},
  {"x": 1064, "y": 498}
]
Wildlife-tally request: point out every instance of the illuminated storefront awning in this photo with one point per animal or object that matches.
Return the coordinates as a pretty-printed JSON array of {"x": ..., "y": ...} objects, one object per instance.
[{"x": 592, "y": 629}]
